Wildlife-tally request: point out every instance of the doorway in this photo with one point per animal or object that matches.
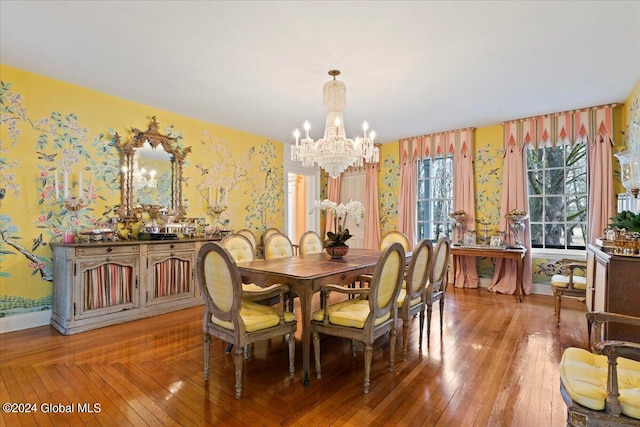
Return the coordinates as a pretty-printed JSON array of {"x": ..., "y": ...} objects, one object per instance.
[{"x": 302, "y": 189}]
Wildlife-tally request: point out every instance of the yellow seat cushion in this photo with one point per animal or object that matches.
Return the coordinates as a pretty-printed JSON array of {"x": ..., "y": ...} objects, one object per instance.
[
  {"x": 584, "y": 376},
  {"x": 256, "y": 317},
  {"x": 560, "y": 281},
  {"x": 251, "y": 287},
  {"x": 403, "y": 294},
  {"x": 352, "y": 313}
]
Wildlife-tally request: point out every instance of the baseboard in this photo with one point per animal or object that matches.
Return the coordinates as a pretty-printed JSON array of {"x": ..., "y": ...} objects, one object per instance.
[
  {"x": 29, "y": 320},
  {"x": 536, "y": 288}
]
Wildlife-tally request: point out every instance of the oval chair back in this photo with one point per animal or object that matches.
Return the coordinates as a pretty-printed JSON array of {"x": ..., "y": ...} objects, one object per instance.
[
  {"x": 239, "y": 247},
  {"x": 278, "y": 245},
  {"x": 395, "y": 236},
  {"x": 250, "y": 235},
  {"x": 411, "y": 299},
  {"x": 438, "y": 283},
  {"x": 310, "y": 243}
]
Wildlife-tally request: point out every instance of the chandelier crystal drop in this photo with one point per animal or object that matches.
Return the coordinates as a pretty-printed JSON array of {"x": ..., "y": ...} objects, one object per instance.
[{"x": 335, "y": 152}]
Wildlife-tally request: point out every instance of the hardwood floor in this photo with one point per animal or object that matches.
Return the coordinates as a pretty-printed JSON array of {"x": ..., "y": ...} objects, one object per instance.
[{"x": 495, "y": 364}]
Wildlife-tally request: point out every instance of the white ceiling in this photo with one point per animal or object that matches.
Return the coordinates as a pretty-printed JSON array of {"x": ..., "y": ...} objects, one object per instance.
[{"x": 410, "y": 68}]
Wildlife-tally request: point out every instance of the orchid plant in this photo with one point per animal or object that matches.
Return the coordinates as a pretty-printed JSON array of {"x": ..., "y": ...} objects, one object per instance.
[{"x": 340, "y": 213}]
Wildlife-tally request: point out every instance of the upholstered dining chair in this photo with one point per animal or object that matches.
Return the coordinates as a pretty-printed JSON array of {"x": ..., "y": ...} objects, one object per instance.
[
  {"x": 438, "y": 282},
  {"x": 230, "y": 317},
  {"x": 277, "y": 245},
  {"x": 310, "y": 243},
  {"x": 366, "y": 318},
  {"x": 241, "y": 250},
  {"x": 411, "y": 299},
  {"x": 569, "y": 284},
  {"x": 250, "y": 235},
  {"x": 601, "y": 387},
  {"x": 395, "y": 236}
]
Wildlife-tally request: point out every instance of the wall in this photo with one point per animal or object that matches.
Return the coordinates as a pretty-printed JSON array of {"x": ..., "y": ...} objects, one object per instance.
[{"x": 48, "y": 125}]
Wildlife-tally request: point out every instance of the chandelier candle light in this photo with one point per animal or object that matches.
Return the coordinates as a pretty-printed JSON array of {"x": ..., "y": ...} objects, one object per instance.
[{"x": 335, "y": 152}]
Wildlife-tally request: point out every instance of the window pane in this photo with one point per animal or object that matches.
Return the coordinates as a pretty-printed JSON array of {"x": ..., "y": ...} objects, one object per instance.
[
  {"x": 554, "y": 236},
  {"x": 554, "y": 157},
  {"x": 575, "y": 235},
  {"x": 554, "y": 209},
  {"x": 535, "y": 159},
  {"x": 576, "y": 155},
  {"x": 577, "y": 208},
  {"x": 535, "y": 209},
  {"x": 435, "y": 197},
  {"x": 536, "y": 235},
  {"x": 554, "y": 182},
  {"x": 535, "y": 182}
]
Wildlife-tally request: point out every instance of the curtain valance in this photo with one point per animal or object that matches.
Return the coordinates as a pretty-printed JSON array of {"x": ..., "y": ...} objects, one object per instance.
[
  {"x": 436, "y": 145},
  {"x": 594, "y": 124}
]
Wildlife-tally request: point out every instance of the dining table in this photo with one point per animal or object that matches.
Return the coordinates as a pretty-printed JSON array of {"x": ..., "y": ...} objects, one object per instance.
[{"x": 305, "y": 275}]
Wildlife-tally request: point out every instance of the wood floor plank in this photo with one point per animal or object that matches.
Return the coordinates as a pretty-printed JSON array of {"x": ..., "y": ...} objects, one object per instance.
[{"x": 495, "y": 363}]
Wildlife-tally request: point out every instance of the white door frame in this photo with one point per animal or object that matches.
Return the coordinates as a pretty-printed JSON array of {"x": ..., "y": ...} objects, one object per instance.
[{"x": 312, "y": 191}]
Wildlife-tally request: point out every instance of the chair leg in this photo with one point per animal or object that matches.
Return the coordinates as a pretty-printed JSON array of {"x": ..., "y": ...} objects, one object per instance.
[
  {"x": 368, "y": 352},
  {"x": 441, "y": 313},
  {"x": 292, "y": 354},
  {"x": 207, "y": 345},
  {"x": 557, "y": 308},
  {"x": 405, "y": 338},
  {"x": 316, "y": 353},
  {"x": 392, "y": 348},
  {"x": 429, "y": 312},
  {"x": 237, "y": 359},
  {"x": 421, "y": 327},
  {"x": 228, "y": 349}
]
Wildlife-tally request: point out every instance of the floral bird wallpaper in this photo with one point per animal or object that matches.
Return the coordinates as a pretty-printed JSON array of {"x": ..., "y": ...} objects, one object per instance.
[{"x": 58, "y": 139}]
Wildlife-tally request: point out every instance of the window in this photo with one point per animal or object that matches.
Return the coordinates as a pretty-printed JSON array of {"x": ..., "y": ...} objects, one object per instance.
[
  {"x": 435, "y": 197},
  {"x": 557, "y": 179}
]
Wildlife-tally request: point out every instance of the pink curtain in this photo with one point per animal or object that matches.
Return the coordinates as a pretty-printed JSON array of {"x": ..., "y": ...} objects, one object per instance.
[
  {"x": 514, "y": 196},
  {"x": 600, "y": 174},
  {"x": 464, "y": 199},
  {"x": 371, "y": 208},
  {"x": 407, "y": 199},
  {"x": 333, "y": 194}
]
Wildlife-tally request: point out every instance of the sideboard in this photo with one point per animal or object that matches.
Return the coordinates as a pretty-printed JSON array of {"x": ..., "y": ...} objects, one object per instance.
[
  {"x": 613, "y": 285},
  {"x": 98, "y": 284}
]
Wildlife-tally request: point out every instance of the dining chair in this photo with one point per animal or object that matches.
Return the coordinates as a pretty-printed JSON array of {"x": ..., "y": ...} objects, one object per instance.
[
  {"x": 395, "y": 236},
  {"x": 310, "y": 243},
  {"x": 569, "y": 284},
  {"x": 601, "y": 387},
  {"x": 438, "y": 281},
  {"x": 241, "y": 250},
  {"x": 411, "y": 299},
  {"x": 230, "y": 317},
  {"x": 366, "y": 318},
  {"x": 250, "y": 235},
  {"x": 277, "y": 245}
]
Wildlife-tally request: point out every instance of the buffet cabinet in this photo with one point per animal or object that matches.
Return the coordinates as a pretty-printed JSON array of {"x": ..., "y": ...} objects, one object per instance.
[
  {"x": 103, "y": 283},
  {"x": 613, "y": 285}
]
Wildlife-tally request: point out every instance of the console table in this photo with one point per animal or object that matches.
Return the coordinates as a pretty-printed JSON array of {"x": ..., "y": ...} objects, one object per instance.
[
  {"x": 98, "y": 284},
  {"x": 516, "y": 254}
]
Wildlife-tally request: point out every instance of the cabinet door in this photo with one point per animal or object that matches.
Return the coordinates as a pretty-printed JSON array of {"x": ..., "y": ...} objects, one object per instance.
[
  {"x": 106, "y": 285},
  {"x": 600, "y": 282},
  {"x": 170, "y": 276}
]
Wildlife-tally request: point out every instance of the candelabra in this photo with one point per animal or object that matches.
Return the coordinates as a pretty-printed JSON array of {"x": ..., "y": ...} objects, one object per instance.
[
  {"x": 73, "y": 205},
  {"x": 459, "y": 219},
  {"x": 516, "y": 225}
]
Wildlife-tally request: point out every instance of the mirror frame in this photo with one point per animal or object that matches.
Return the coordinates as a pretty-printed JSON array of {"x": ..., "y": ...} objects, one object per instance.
[{"x": 127, "y": 211}]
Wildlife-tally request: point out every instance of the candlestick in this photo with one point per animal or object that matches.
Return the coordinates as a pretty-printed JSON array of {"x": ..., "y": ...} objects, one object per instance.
[
  {"x": 56, "y": 185},
  {"x": 66, "y": 184}
]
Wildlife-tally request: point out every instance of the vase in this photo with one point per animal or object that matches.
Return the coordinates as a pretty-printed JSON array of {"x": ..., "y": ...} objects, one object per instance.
[{"x": 337, "y": 252}]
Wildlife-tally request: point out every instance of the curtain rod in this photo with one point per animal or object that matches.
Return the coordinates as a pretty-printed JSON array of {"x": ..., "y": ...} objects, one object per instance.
[
  {"x": 439, "y": 133},
  {"x": 560, "y": 113}
]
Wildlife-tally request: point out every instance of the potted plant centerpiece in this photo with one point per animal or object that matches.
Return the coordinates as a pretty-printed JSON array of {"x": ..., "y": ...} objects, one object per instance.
[{"x": 335, "y": 243}]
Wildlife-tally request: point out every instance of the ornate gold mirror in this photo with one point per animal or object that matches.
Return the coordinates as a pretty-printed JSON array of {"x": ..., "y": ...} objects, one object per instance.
[{"x": 151, "y": 173}]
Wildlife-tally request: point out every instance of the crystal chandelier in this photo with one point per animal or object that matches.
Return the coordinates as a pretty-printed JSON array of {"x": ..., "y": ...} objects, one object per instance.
[{"x": 335, "y": 152}]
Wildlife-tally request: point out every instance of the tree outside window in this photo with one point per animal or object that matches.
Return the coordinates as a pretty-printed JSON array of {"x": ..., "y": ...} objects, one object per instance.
[
  {"x": 557, "y": 183},
  {"x": 435, "y": 197}
]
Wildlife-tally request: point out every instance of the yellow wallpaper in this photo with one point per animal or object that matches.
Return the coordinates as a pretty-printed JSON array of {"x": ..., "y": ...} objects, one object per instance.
[{"x": 49, "y": 125}]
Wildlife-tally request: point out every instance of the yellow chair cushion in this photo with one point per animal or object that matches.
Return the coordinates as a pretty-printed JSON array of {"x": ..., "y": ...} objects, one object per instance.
[
  {"x": 584, "y": 376},
  {"x": 402, "y": 295},
  {"x": 251, "y": 287},
  {"x": 352, "y": 313},
  {"x": 256, "y": 317},
  {"x": 560, "y": 281}
]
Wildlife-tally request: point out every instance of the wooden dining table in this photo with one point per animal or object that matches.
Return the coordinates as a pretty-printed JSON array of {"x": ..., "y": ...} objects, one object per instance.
[{"x": 305, "y": 275}]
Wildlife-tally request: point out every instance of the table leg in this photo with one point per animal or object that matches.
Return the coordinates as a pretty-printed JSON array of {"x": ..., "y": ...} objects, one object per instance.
[
  {"x": 305, "y": 296},
  {"x": 519, "y": 281}
]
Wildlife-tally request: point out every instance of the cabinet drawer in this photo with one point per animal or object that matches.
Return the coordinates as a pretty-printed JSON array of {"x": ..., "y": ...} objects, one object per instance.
[
  {"x": 175, "y": 246},
  {"x": 108, "y": 250}
]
